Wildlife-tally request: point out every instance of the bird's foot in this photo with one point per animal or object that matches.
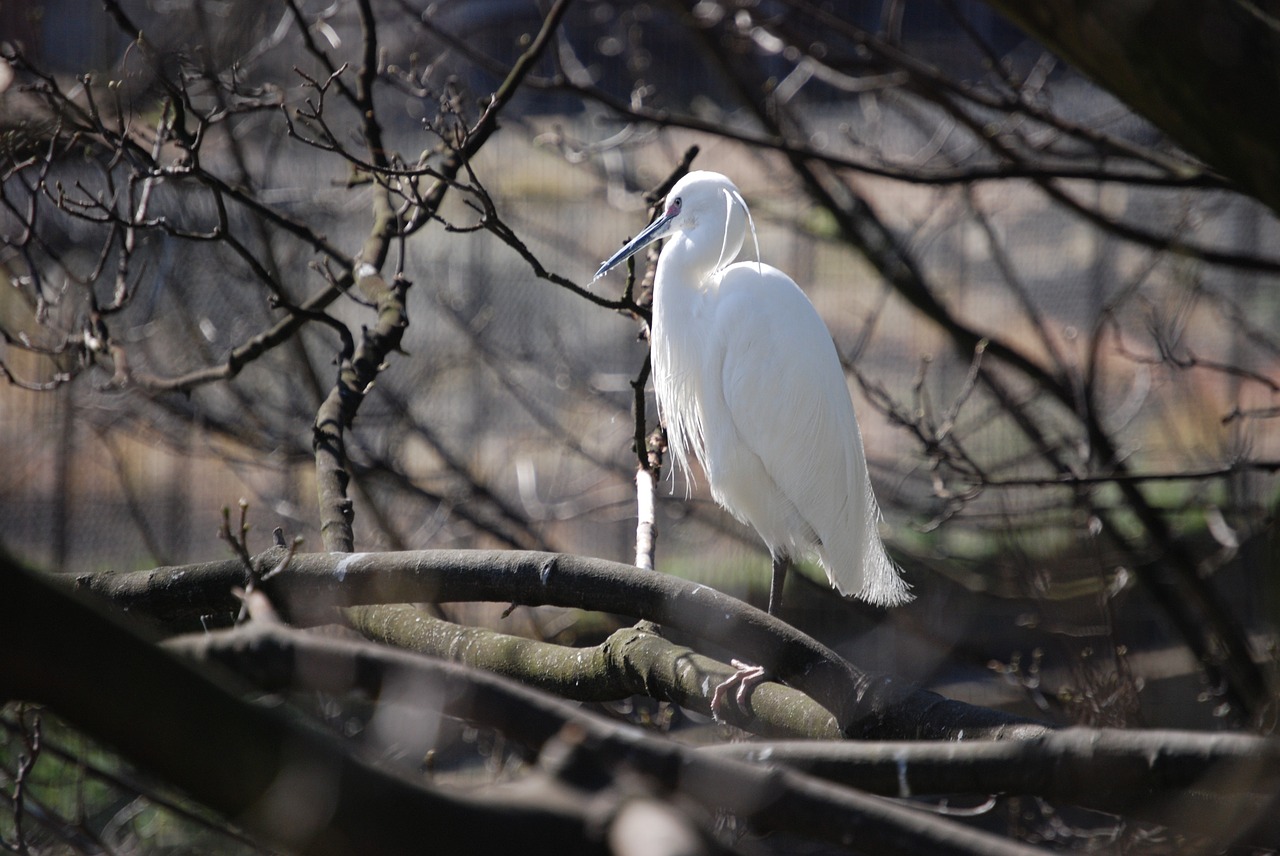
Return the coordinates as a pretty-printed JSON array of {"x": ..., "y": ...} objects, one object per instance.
[{"x": 744, "y": 680}]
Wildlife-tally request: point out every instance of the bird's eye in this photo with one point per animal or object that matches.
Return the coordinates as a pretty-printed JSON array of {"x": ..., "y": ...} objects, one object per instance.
[{"x": 674, "y": 207}]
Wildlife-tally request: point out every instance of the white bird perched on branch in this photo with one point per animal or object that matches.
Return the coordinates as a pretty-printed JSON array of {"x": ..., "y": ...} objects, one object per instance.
[{"x": 748, "y": 380}]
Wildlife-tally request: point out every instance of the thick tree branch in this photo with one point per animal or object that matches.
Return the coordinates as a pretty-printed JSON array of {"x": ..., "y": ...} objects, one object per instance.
[
  {"x": 1220, "y": 786},
  {"x": 278, "y": 776},
  {"x": 315, "y": 584},
  {"x": 632, "y": 661},
  {"x": 769, "y": 799}
]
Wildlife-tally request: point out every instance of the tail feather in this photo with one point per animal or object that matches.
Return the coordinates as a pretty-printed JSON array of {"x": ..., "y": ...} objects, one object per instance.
[{"x": 863, "y": 568}]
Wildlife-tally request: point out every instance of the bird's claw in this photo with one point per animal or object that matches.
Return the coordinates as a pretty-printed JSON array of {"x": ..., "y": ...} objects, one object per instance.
[{"x": 745, "y": 680}]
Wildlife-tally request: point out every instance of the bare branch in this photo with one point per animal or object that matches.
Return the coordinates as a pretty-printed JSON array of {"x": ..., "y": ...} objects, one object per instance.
[
  {"x": 768, "y": 799},
  {"x": 1147, "y": 773},
  {"x": 315, "y": 584},
  {"x": 632, "y": 661},
  {"x": 229, "y": 752}
]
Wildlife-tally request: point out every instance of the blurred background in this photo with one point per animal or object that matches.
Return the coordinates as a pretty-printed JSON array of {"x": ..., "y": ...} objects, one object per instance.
[{"x": 1059, "y": 328}]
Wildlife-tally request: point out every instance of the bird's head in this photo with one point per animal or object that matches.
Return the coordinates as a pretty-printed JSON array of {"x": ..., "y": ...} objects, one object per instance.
[{"x": 707, "y": 209}]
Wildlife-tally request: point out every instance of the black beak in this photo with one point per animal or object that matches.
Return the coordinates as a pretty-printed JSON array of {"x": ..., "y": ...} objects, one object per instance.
[{"x": 654, "y": 231}]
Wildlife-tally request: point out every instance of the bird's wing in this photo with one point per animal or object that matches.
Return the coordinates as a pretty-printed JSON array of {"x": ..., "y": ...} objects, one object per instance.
[{"x": 786, "y": 393}]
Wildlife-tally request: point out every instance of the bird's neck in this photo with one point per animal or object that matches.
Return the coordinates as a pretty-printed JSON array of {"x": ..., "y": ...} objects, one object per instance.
[{"x": 690, "y": 259}]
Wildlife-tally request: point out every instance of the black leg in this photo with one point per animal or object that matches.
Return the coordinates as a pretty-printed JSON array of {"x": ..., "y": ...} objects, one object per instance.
[{"x": 780, "y": 566}]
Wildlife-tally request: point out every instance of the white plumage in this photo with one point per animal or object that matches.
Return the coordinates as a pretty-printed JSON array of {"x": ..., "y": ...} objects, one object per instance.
[{"x": 748, "y": 381}]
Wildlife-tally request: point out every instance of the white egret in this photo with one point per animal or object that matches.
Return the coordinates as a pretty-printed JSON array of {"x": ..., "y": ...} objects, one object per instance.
[{"x": 748, "y": 380}]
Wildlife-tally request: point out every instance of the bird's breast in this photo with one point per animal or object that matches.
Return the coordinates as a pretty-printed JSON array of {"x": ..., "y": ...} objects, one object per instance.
[{"x": 686, "y": 364}]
